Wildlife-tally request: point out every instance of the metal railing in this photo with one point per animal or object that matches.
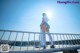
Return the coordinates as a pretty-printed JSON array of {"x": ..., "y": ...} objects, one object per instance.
[{"x": 30, "y": 41}]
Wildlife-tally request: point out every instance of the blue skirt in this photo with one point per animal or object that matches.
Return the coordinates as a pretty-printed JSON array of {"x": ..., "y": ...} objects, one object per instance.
[{"x": 47, "y": 24}]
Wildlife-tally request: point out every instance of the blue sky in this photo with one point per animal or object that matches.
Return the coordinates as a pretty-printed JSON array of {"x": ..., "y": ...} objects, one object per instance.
[{"x": 26, "y": 15}]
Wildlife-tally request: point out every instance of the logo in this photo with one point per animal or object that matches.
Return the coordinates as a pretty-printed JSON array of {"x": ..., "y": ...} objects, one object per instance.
[{"x": 4, "y": 48}]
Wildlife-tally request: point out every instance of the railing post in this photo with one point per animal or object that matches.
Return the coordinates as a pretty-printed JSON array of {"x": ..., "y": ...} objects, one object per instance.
[
  {"x": 39, "y": 41},
  {"x": 34, "y": 42},
  {"x": 79, "y": 38},
  {"x": 65, "y": 40},
  {"x": 57, "y": 40},
  {"x": 9, "y": 38},
  {"x": 75, "y": 36},
  {"x": 73, "y": 41},
  {"x": 28, "y": 41},
  {"x": 70, "y": 40},
  {"x": 21, "y": 40},
  {"x": 15, "y": 41},
  {"x": 2, "y": 36},
  {"x": 53, "y": 39},
  {"x": 61, "y": 39}
]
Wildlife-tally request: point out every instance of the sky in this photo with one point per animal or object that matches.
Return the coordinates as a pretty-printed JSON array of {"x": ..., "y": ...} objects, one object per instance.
[{"x": 26, "y": 15}]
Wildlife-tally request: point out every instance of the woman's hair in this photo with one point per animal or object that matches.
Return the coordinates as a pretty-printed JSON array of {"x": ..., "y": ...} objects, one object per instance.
[{"x": 43, "y": 14}]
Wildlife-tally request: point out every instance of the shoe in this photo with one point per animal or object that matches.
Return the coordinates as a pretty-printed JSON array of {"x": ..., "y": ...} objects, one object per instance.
[
  {"x": 52, "y": 46},
  {"x": 37, "y": 47},
  {"x": 44, "y": 47}
]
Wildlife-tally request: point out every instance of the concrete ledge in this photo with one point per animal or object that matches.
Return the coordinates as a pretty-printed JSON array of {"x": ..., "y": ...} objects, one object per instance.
[{"x": 69, "y": 49}]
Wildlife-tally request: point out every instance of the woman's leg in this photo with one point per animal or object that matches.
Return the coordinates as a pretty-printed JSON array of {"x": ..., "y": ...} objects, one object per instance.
[
  {"x": 50, "y": 38},
  {"x": 43, "y": 39},
  {"x": 52, "y": 44}
]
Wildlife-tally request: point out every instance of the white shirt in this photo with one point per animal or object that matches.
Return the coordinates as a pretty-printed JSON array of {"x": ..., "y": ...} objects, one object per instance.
[{"x": 45, "y": 19}]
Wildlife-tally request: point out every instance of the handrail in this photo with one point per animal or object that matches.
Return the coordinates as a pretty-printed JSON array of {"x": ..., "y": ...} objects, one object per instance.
[{"x": 37, "y": 32}]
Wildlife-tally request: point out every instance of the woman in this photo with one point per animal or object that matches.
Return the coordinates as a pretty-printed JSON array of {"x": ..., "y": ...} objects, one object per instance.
[{"x": 45, "y": 28}]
